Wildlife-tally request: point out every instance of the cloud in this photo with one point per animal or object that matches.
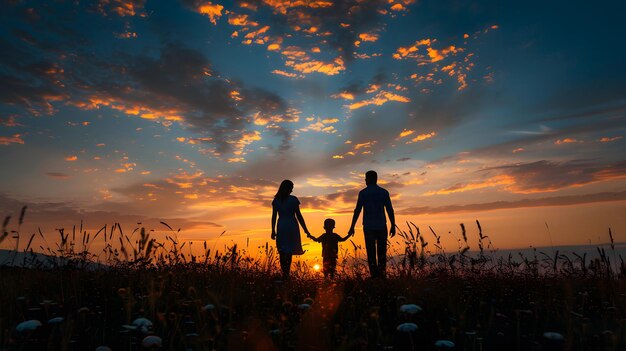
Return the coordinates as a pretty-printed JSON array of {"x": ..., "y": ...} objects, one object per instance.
[
  {"x": 548, "y": 176},
  {"x": 122, "y": 8},
  {"x": 567, "y": 141},
  {"x": 610, "y": 139},
  {"x": 52, "y": 215},
  {"x": 57, "y": 175},
  {"x": 14, "y": 139},
  {"x": 339, "y": 26},
  {"x": 568, "y": 200},
  {"x": 207, "y": 8},
  {"x": 433, "y": 58},
  {"x": 180, "y": 86},
  {"x": 422, "y": 137},
  {"x": 497, "y": 181},
  {"x": 381, "y": 98},
  {"x": 240, "y": 20}
]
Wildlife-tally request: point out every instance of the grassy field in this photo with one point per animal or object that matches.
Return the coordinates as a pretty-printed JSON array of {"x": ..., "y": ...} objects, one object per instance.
[{"x": 150, "y": 295}]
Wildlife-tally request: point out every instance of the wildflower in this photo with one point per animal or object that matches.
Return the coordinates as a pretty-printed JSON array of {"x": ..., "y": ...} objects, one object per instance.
[
  {"x": 27, "y": 326},
  {"x": 55, "y": 320},
  {"x": 142, "y": 324},
  {"x": 407, "y": 328},
  {"x": 444, "y": 344},
  {"x": 410, "y": 309},
  {"x": 152, "y": 341},
  {"x": 552, "y": 336}
]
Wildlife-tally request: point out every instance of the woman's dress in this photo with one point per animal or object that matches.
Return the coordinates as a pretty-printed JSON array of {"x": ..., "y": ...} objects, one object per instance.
[{"x": 288, "y": 230}]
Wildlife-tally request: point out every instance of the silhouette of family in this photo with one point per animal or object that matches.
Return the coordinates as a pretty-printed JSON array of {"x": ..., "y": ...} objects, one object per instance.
[{"x": 373, "y": 200}]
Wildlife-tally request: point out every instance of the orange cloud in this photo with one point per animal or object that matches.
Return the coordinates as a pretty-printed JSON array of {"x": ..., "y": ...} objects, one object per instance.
[
  {"x": 499, "y": 180},
  {"x": 121, "y": 8},
  {"x": 146, "y": 112},
  {"x": 343, "y": 95},
  {"x": 381, "y": 98},
  {"x": 257, "y": 33},
  {"x": 15, "y": 139},
  {"x": 519, "y": 149},
  {"x": 283, "y": 73},
  {"x": 438, "y": 55},
  {"x": 566, "y": 141},
  {"x": 273, "y": 47},
  {"x": 213, "y": 11},
  {"x": 322, "y": 126},
  {"x": 405, "y": 133},
  {"x": 246, "y": 139},
  {"x": 327, "y": 68},
  {"x": 609, "y": 139},
  {"x": 282, "y": 6},
  {"x": 71, "y": 158},
  {"x": 240, "y": 20},
  {"x": 422, "y": 137},
  {"x": 126, "y": 35},
  {"x": 404, "y": 52},
  {"x": 368, "y": 37}
]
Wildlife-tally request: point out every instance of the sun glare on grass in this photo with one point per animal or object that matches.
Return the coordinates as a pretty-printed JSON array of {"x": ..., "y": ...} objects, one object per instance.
[{"x": 316, "y": 267}]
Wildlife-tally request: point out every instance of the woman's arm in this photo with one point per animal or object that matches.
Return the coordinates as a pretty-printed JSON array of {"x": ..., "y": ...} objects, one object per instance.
[
  {"x": 273, "y": 222},
  {"x": 316, "y": 239},
  {"x": 301, "y": 220}
]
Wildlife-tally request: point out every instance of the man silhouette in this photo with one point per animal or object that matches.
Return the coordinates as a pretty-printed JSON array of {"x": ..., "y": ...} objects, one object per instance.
[{"x": 374, "y": 200}]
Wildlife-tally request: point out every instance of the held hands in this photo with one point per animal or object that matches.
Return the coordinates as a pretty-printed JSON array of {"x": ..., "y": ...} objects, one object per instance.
[{"x": 351, "y": 232}]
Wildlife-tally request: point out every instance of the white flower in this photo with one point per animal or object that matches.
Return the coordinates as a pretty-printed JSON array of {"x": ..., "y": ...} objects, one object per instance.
[
  {"x": 28, "y": 325},
  {"x": 55, "y": 320},
  {"x": 410, "y": 308},
  {"x": 151, "y": 341},
  {"x": 444, "y": 344},
  {"x": 143, "y": 324},
  {"x": 553, "y": 336},
  {"x": 407, "y": 327}
]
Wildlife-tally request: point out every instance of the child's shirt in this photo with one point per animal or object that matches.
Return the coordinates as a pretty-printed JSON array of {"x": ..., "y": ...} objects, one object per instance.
[{"x": 330, "y": 244}]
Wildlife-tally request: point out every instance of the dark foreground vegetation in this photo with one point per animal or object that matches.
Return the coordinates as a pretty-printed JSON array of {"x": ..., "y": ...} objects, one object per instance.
[{"x": 153, "y": 296}]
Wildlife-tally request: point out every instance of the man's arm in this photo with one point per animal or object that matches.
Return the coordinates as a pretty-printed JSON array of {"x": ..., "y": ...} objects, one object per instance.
[
  {"x": 392, "y": 217},
  {"x": 355, "y": 216}
]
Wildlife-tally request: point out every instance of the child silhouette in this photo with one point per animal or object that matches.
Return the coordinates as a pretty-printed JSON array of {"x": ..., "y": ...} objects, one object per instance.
[{"x": 330, "y": 247}]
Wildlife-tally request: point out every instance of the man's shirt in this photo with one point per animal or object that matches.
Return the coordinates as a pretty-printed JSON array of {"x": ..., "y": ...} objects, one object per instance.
[{"x": 374, "y": 199}]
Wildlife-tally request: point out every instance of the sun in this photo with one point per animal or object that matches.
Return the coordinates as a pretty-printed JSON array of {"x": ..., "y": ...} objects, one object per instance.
[{"x": 316, "y": 267}]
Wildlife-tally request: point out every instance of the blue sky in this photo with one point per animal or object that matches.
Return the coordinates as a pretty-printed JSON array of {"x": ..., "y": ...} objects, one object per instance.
[{"x": 194, "y": 111}]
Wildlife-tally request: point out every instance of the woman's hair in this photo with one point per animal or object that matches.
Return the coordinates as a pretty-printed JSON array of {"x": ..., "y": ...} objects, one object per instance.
[{"x": 284, "y": 189}]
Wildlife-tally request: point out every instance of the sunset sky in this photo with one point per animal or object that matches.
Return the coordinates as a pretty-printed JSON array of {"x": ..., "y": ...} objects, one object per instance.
[{"x": 192, "y": 112}]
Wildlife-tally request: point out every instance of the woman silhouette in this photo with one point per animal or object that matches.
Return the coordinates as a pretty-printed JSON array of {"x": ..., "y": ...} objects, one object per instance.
[{"x": 287, "y": 233}]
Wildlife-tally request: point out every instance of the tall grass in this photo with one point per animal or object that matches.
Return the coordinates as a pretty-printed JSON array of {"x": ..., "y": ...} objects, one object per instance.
[{"x": 201, "y": 298}]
